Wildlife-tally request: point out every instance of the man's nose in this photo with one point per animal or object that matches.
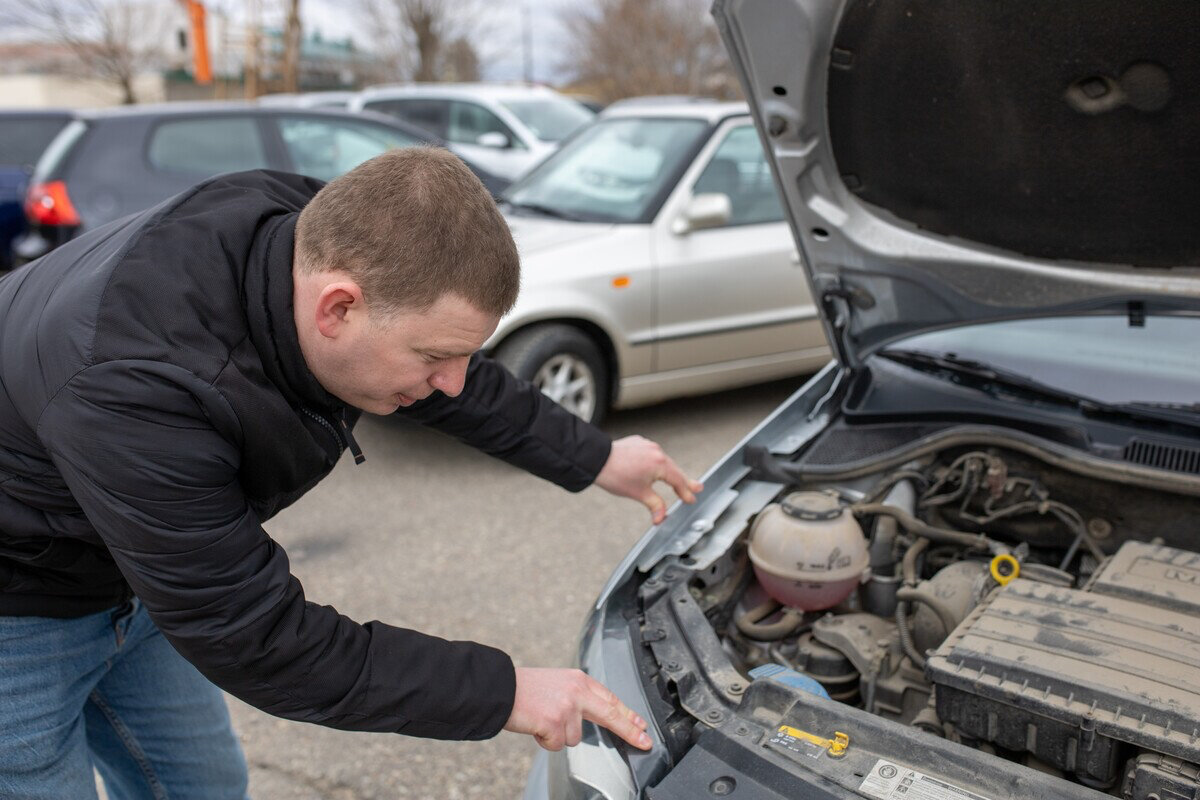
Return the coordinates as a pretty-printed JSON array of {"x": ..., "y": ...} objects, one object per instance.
[{"x": 449, "y": 378}]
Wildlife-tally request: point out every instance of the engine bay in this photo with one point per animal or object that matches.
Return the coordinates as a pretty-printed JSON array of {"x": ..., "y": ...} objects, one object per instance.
[{"x": 973, "y": 594}]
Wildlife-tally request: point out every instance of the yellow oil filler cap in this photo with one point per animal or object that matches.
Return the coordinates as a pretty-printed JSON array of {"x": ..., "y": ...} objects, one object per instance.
[{"x": 1004, "y": 568}]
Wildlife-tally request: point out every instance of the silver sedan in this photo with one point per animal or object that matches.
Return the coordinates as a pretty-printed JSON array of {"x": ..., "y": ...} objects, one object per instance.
[{"x": 656, "y": 263}]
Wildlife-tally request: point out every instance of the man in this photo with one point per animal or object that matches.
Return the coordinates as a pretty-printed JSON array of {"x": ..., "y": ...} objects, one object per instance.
[{"x": 171, "y": 380}]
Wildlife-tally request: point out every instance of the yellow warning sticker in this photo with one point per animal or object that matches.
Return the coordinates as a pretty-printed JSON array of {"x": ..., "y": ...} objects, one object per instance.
[{"x": 809, "y": 744}]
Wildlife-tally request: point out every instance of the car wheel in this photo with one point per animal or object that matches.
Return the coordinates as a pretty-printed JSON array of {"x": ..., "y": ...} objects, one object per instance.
[{"x": 564, "y": 363}]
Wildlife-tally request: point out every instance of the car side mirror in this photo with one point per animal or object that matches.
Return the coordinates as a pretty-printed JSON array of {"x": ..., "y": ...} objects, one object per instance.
[
  {"x": 704, "y": 211},
  {"x": 494, "y": 139}
]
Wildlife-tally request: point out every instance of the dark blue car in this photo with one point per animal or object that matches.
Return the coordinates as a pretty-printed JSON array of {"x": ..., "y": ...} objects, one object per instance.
[{"x": 23, "y": 136}]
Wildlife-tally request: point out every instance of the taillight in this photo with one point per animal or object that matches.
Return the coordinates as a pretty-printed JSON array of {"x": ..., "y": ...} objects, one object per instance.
[{"x": 49, "y": 204}]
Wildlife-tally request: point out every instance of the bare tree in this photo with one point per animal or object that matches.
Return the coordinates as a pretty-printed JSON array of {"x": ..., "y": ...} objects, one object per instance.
[
  {"x": 461, "y": 62},
  {"x": 623, "y": 48},
  {"x": 427, "y": 40},
  {"x": 112, "y": 40}
]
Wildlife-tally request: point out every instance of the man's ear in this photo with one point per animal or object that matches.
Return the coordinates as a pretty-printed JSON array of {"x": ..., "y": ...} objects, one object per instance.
[{"x": 340, "y": 305}]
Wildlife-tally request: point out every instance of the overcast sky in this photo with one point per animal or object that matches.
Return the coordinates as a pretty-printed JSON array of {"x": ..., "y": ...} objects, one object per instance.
[{"x": 501, "y": 48}]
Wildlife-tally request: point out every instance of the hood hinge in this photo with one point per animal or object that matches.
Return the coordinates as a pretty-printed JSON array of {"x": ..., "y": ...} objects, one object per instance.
[{"x": 839, "y": 301}]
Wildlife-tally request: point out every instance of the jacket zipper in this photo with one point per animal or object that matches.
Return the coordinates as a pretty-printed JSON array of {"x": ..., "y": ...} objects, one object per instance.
[
  {"x": 355, "y": 450},
  {"x": 343, "y": 437}
]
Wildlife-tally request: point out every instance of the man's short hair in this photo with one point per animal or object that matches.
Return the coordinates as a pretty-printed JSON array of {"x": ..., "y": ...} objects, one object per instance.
[{"x": 409, "y": 226}]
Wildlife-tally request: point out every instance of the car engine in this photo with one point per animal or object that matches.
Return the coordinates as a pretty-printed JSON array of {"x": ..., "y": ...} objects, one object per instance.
[{"x": 986, "y": 597}]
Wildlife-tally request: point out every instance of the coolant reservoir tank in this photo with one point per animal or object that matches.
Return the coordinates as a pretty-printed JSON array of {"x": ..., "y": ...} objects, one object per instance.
[{"x": 808, "y": 551}]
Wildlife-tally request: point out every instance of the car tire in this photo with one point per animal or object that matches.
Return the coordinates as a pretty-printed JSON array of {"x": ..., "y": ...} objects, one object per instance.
[{"x": 565, "y": 363}]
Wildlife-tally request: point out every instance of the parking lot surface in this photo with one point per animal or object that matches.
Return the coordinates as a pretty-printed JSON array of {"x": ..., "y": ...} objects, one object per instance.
[{"x": 432, "y": 535}]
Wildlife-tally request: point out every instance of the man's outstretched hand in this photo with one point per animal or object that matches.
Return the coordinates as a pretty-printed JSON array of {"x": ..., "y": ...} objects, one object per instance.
[
  {"x": 635, "y": 465},
  {"x": 551, "y": 705}
]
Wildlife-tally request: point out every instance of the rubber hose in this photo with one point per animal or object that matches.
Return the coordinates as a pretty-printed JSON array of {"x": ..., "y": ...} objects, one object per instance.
[
  {"x": 909, "y": 565},
  {"x": 764, "y": 463},
  {"x": 749, "y": 623},
  {"x": 937, "y": 606},
  {"x": 914, "y": 525},
  {"x": 906, "y": 642}
]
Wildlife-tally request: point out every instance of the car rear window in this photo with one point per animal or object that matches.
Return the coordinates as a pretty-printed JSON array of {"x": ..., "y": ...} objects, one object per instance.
[
  {"x": 326, "y": 148},
  {"x": 22, "y": 141},
  {"x": 56, "y": 153},
  {"x": 207, "y": 146}
]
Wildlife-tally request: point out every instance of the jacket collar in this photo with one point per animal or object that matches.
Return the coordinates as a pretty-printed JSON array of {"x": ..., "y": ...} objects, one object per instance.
[{"x": 268, "y": 299}]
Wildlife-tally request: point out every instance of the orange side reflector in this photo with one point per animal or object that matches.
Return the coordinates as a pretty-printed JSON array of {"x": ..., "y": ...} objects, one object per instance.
[{"x": 620, "y": 282}]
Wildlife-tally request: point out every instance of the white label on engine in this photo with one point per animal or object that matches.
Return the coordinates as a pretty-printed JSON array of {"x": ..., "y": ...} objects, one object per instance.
[{"x": 891, "y": 781}]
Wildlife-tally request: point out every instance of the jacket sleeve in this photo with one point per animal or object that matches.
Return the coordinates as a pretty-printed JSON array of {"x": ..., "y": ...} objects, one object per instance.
[
  {"x": 151, "y": 454},
  {"x": 507, "y": 417}
]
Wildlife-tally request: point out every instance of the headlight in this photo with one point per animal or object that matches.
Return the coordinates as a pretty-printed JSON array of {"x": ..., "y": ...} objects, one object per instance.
[
  {"x": 594, "y": 769},
  {"x": 589, "y": 772}
]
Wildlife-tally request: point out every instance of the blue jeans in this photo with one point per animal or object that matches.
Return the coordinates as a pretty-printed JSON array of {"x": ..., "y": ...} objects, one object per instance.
[{"x": 107, "y": 690}]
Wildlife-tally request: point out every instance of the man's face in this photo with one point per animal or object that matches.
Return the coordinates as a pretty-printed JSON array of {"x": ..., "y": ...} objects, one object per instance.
[{"x": 381, "y": 363}]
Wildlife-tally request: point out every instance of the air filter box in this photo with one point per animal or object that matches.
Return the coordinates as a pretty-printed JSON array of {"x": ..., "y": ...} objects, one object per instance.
[{"x": 1069, "y": 675}]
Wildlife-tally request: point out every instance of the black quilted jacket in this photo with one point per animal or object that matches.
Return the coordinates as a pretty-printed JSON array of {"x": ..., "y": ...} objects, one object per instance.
[{"x": 155, "y": 408}]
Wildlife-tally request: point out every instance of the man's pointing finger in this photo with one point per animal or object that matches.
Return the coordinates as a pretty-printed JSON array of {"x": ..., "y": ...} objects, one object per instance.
[{"x": 616, "y": 717}]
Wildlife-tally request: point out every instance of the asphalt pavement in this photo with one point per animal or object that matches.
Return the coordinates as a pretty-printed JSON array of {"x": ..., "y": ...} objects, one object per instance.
[{"x": 431, "y": 535}]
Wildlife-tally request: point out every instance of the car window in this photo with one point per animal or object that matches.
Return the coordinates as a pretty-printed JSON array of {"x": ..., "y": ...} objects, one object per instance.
[
  {"x": 424, "y": 112},
  {"x": 469, "y": 121},
  {"x": 739, "y": 171},
  {"x": 56, "y": 152},
  {"x": 22, "y": 141},
  {"x": 551, "y": 119},
  {"x": 614, "y": 171},
  {"x": 207, "y": 146},
  {"x": 327, "y": 148}
]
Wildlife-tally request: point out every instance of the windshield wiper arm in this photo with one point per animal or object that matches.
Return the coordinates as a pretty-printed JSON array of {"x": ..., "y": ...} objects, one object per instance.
[
  {"x": 545, "y": 210},
  {"x": 978, "y": 369},
  {"x": 1186, "y": 415}
]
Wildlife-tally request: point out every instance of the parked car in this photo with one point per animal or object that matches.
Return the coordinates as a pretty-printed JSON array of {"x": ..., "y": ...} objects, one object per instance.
[
  {"x": 962, "y": 561},
  {"x": 109, "y": 163},
  {"x": 506, "y": 129},
  {"x": 656, "y": 263},
  {"x": 24, "y": 134}
]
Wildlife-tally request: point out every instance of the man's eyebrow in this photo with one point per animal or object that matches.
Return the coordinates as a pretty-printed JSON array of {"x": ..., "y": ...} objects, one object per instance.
[{"x": 444, "y": 354}]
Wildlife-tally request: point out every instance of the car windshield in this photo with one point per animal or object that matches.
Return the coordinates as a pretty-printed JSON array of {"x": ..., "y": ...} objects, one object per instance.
[
  {"x": 1107, "y": 358},
  {"x": 611, "y": 172},
  {"x": 551, "y": 119}
]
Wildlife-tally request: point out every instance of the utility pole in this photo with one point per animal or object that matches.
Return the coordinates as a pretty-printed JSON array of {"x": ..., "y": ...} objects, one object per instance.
[
  {"x": 291, "y": 48},
  {"x": 527, "y": 40},
  {"x": 250, "y": 68}
]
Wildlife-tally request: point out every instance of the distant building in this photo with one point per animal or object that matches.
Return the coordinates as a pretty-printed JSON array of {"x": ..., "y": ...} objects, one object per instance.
[{"x": 48, "y": 73}]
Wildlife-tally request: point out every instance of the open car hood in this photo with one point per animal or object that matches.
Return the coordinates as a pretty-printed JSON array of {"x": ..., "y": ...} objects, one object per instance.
[{"x": 946, "y": 162}]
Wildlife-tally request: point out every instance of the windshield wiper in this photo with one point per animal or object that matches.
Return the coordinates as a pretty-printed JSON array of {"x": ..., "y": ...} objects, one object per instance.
[
  {"x": 986, "y": 374},
  {"x": 545, "y": 210},
  {"x": 1186, "y": 413}
]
